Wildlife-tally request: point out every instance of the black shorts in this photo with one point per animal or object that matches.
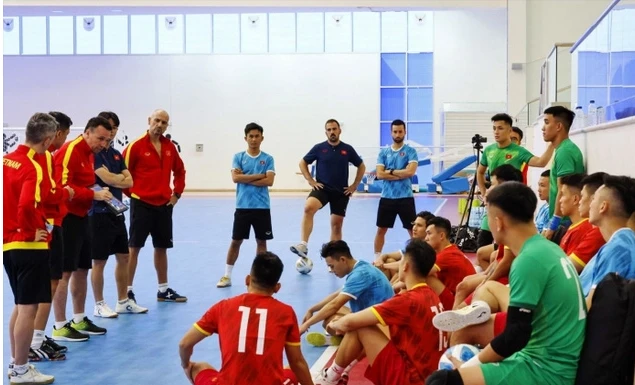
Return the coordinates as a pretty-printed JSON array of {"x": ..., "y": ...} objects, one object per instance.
[
  {"x": 484, "y": 238},
  {"x": 76, "y": 243},
  {"x": 56, "y": 253},
  {"x": 338, "y": 201},
  {"x": 109, "y": 235},
  {"x": 147, "y": 219},
  {"x": 388, "y": 210},
  {"x": 260, "y": 219},
  {"x": 29, "y": 275}
]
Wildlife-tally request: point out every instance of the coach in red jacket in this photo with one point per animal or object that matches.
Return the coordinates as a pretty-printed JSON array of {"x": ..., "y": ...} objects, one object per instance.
[{"x": 152, "y": 161}]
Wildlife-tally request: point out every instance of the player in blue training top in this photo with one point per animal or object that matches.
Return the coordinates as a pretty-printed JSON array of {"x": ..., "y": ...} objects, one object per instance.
[
  {"x": 253, "y": 172},
  {"x": 395, "y": 166},
  {"x": 330, "y": 184}
]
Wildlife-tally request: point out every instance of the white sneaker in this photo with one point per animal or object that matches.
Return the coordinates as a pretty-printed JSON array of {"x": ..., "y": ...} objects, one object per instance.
[
  {"x": 300, "y": 249},
  {"x": 225, "y": 281},
  {"x": 104, "y": 311},
  {"x": 322, "y": 379},
  {"x": 31, "y": 376},
  {"x": 131, "y": 307},
  {"x": 450, "y": 321}
]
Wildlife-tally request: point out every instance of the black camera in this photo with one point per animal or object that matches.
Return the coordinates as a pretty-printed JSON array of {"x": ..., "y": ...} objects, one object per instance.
[{"x": 478, "y": 139}]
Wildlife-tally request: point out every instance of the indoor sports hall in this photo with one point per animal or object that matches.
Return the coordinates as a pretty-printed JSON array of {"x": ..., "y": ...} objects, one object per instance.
[{"x": 443, "y": 68}]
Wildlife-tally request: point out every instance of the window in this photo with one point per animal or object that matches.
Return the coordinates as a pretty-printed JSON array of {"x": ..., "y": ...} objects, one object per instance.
[
  {"x": 198, "y": 34},
  {"x": 226, "y": 33},
  {"x": 310, "y": 32},
  {"x": 171, "y": 34},
  {"x": 61, "y": 35},
  {"x": 143, "y": 33},
  {"x": 253, "y": 35},
  {"x": 11, "y": 36},
  {"x": 116, "y": 35},
  {"x": 88, "y": 35},
  {"x": 34, "y": 35},
  {"x": 282, "y": 32},
  {"x": 338, "y": 32}
]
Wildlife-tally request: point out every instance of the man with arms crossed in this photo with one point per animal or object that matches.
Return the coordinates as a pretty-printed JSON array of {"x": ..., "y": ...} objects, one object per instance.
[
  {"x": 330, "y": 184},
  {"x": 24, "y": 243},
  {"x": 536, "y": 346},
  {"x": 253, "y": 172},
  {"x": 42, "y": 347},
  {"x": 74, "y": 164},
  {"x": 566, "y": 161},
  {"x": 395, "y": 166},
  {"x": 414, "y": 347},
  {"x": 253, "y": 328},
  {"x": 153, "y": 160},
  {"x": 108, "y": 229}
]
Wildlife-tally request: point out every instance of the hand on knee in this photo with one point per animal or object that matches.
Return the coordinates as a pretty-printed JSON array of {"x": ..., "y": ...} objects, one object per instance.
[{"x": 445, "y": 377}]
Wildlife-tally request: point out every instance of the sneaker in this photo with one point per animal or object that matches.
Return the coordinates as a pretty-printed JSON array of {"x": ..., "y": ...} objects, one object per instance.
[
  {"x": 450, "y": 321},
  {"x": 45, "y": 353},
  {"x": 10, "y": 370},
  {"x": 225, "y": 281},
  {"x": 58, "y": 348},
  {"x": 170, "y": 296},
  {"x": 131, "y": 307},
  {"x": 300, "y": 249},
  {"x": 31, "y": 376},
  {"x": 67, "y": 333},
  {"x": 131, "y": 296},
  {"x": 322, "y": 379},
  {"x": 104, "y": 311},
  {"x": 86, "y": 326},
  {"x": 321, "y": 339}
]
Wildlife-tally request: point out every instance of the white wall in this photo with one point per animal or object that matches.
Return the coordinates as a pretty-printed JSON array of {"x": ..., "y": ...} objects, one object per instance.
[
  {"x": 210, "y": 99},
  {"x": 470, "y": 59}
]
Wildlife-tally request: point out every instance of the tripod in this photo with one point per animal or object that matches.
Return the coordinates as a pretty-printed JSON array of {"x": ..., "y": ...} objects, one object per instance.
[{"x": 465, "y": 237}]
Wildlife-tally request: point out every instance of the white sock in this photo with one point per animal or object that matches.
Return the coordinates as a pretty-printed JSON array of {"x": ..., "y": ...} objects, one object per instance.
[
  {"x": 350, "y": 367},
  {"x": 12, "y": 362},
  {"x": 77, "y": 318},
  {"x": 163, "y": 287},
  {"x": 38, "y": 338},
  {"x": 377, "y": 255},
  {"x": 21, "y": 369},
  {"x": 228, "y": 271},
  {"x": 123, "y": 301},
  {"x": 478, "y": 269},
  {"x": 334, "y": 372},
  {"x": 60, "y": 325},
  {"x": 304, "y": 243},
  {"x": 129, "y": 288},
  {"x": 102, "y": 302}
]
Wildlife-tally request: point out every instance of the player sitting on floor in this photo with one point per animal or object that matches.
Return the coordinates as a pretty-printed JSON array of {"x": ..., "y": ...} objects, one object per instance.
[
  {"x": 253, "y": 329},
  {"x": 414, "y": 347},
  {"x": 543, "y": 337},
  {"x": 582, "y": 240}
]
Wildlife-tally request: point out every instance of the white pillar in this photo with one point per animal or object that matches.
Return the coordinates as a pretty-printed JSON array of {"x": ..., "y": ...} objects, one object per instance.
[{"x": 516, "y": 53}]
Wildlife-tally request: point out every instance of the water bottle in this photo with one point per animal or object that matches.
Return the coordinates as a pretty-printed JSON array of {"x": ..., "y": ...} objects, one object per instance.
[
  {"x": 579, "y": 122},
  {"x": 601, "y": 115},
  {"x": 592, "y": 114}
]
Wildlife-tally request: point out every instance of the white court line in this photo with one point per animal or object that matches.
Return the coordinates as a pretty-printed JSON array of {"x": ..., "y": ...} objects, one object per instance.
[
  {"x": 316, "y": 369},
  {"x": 436, "y": 212}
]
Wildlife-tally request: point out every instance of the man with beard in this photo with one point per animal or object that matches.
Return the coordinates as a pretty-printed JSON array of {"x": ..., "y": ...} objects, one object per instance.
[
  {"x": 330, "y": 185},
  {"x": 395, "y": 166}
]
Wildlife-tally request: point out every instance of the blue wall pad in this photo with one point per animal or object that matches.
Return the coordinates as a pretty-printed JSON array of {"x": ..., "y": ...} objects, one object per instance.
[
  {"x": 424, "y": 162},
  {"x": 431, "y": 187},
  {"x": 455, "y": 185},
  {"x": 450, "y": 171}
]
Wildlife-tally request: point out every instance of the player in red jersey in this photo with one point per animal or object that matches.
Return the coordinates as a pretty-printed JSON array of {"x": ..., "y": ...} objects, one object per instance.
[
  {"x": 451, "y": 264},
  {"x": 253, "y": 329},
  {"x": 414, "y": 348}
]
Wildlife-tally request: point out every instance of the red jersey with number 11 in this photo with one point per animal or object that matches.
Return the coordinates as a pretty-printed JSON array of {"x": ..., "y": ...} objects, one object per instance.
[{"x": 253, "y": 330}]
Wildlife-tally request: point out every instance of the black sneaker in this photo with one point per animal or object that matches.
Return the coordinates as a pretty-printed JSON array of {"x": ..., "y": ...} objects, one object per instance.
[
  {"x": 45, "y": 353},
  {"x": 131, "y": 296},
  {"x": 170, "y": 296},
  {"x": 54, "y": 345},
  {"x": 86, "y": 326}
]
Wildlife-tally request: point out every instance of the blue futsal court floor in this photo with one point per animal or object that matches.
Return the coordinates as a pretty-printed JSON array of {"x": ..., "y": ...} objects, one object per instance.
[{"x": 143, "y": 349}]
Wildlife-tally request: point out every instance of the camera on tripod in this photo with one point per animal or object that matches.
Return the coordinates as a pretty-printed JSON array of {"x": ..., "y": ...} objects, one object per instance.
[{"x": 477, "y": 140}]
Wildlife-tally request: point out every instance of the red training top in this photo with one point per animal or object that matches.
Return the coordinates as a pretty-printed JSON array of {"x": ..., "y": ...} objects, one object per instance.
[{"x": 74, "y": 163}]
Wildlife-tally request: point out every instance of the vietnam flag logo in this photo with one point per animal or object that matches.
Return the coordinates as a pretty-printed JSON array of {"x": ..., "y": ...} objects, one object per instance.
[{"x": 508, "y": 156}]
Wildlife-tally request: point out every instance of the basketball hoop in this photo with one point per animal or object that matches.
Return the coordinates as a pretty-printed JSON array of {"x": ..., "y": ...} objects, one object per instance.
[{"x": 370, "y": 179}]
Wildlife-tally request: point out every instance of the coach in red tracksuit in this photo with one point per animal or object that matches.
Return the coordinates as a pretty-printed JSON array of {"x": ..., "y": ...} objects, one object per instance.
[{"x": 152, "y": 161}]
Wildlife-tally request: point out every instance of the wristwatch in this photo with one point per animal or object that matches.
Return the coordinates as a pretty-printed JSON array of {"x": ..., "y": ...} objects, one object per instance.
[{"x": 391, "y": 172}]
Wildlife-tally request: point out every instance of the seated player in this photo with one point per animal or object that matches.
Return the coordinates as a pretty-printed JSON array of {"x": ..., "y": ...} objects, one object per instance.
[
  {"x": 414, "y": 347},
  {"x": 612, "y": 206},
  {"x": 365, "y": 286},
  {"x": 451, "y": 264},
  {"x": 542, "y": 218},
  {"x": 499, "y": 270},
  {"x": 253, "y": 329},
  {"x": 582, "y": 240},
  {"x": 544, "y": 333}
]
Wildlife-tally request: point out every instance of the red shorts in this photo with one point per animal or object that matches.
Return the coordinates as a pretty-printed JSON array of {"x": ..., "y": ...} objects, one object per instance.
[
  {"x": 389, "y": 368},
  {"x": 447, "y": 299},
  {"x": 500, "y": 321},
  {"x": 212, "y": 377}
]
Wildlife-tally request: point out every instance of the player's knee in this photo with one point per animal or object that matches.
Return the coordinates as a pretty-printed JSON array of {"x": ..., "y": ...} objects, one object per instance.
[
  {"x": 236, "y": 242},
  {"x": 382, "y": 231},
  {"x": 310, "y": 208},
  {"x": 445, "y": 377}
]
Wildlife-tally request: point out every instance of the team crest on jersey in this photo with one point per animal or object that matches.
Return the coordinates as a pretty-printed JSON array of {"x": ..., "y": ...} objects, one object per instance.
[
  {"x": 324, "y": 150},
  {"x": 168, "y": 153},
  {"x": 262, "y": 162},
  {"x": 508, "y": 156},
  {"x": 147, "y": 153},
  {"x": 402, "y": 154},
  {"x": 117, "y": 157},
  {"x": 343, "y": 152}
]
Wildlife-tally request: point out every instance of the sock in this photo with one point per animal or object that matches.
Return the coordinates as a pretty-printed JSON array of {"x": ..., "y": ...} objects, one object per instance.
[
  {"x": 102, "y": 302},
  {"x": 349, "y": 367},
  {"x": 60, "y": 325},
  {"x": 228, "y": 270},
  {"x": 12, "y": 362},
  {"x": 304, "y": 243},
  {"x": 129, "y": 288},
  {"x": 478, "y": 269},
  {"x": 77, "y": 318},
  {"x": 334, "y": 372},
  {"x": 377, "y": 255},
  {"x": 163, "y": 287},
  {"x": 21, "y": 369},
  {"x": 123, "y": 301},
  {"x": 38, "y": 338}
]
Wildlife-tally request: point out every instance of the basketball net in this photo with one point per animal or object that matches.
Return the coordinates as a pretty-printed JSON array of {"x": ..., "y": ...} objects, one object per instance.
[{"x": 370, "y": 179}]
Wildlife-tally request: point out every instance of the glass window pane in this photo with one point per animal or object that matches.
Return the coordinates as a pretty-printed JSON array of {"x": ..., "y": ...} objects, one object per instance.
[
  {"x": 61, "y": 35},
  {"x": 11, "y": 38},
  {"x": 394, "y": 31},
  {"x": 420, "y": 104},
  {"x": 171, "y": 34},
  {"x": 310, "y": 32},
  {"x": 88, "y": 35},
  {"x": 420, "y": 31},
  {"x": 143, "y": 34},
  {"x": 34, "y": 35},
  {"x": 198, "y": 34},
  {"x": 393, "y": 69},
  {"x": 226, "y": 33},
  {"x": 116, "y": 35},
  {"x": 420, "y": 69},
  {"x": 366, "y": 32},
  {"x": 253, "y": 36},
  {"x": 281, "y": 32},
  {"x": 338, "y": 32},
  {"x": 393, "y": 104}
]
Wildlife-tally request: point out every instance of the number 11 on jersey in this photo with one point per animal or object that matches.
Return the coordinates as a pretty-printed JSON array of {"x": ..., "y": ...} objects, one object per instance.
[{"x": 244, "y": 323}]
